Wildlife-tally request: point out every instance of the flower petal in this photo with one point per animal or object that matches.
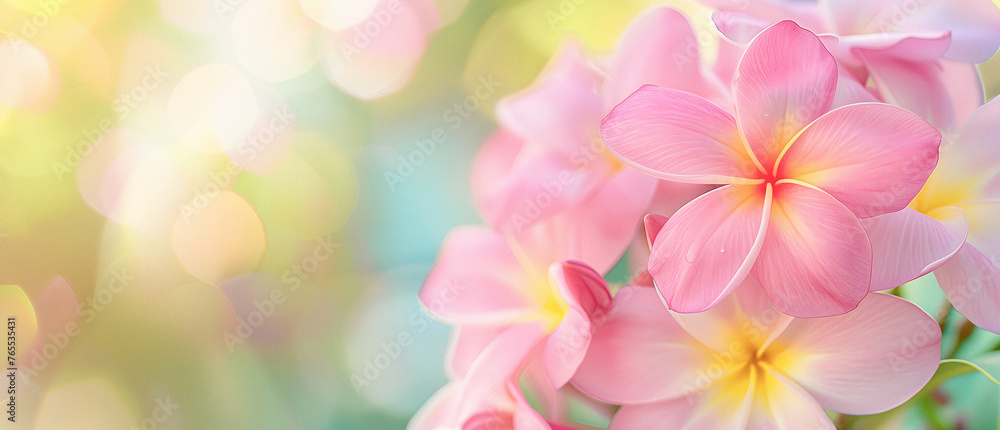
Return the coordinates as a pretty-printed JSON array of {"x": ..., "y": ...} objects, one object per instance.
[
  {"x": 780, "y": 403},
  {"x": 975, "y": 24},
  {"x": 739, "y": 27},
  {"x": 721, "y": 405},
  {"x": 874, "y": 158},
  {"x": 538, "y": 186},
  {"x": 972, "y": 283},
  {"x": 587, "y": 294},
  {"x": 745, "y": 317},
  {"x": 984, "y": 231},
  {"x": 908, "y": 244},
  {"x": 682, "y": 414},
  {"x": 597, "y": 229},
  {"x": 708, "y": 247},
  {"x": 582, "y": 287},
  {"x": 466, "y": 345},
  {"x": 653, "y": 223},
  {"x": 865, "y": 362},
  {"x": 976, "y": 149},
  {"x": 804, "y": 13},
  {"x": 501, "y": 362},
  {"x": 974, "y": 27},
  {"x": 786, "y": 79},
  {"x": 816, "y": 259},
  {"x": 678, "y": 136},
  {"x": 658, "y": 48},
  {"x": 943, "y": 91},
  {"x": 562, "y": 109},
  {"x": 495, "y": 158},
  {"x": 923, "y": 46},
  {"x": 640, "y": 354},
  {"x": 488, "y": 291}
]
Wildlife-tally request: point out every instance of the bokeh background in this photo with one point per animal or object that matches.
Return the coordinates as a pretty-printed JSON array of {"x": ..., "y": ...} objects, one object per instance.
[{"x": 216, "y": 214}]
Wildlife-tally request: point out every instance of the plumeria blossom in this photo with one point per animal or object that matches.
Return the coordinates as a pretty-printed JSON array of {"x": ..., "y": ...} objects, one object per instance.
[
  {"x": 487, "y": 289},
  {"x": 799, "y": 177},
  {"x": 546, "y": 177},
  {"x": 951, "y": 225},
  {"x": 920, "y": 55},
  {"x": 742, "y": 365}
]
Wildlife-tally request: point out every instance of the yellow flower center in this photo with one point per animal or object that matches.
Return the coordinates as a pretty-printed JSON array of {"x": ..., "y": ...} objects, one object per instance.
[{"x": 551, "y": 306}]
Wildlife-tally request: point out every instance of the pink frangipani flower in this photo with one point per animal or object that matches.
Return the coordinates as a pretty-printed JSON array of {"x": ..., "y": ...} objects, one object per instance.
[
  {"x": 743, "y": 365},
  {"x": 799, "y": 177}
]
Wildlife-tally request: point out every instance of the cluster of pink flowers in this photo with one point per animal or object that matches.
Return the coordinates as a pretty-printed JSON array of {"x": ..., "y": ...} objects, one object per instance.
[{"x": 830, "y": 151}]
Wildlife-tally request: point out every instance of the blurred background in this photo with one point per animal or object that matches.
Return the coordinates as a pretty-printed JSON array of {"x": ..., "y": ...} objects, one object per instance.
[{"x": 217, "y": 213}]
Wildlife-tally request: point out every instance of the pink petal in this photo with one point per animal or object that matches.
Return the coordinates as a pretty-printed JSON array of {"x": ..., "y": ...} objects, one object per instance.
[
  {"x": 739, "y": 27},
  {"x": 972, "y": 283},
  {"x": 506, "y": 409},
  {"x": 539, "y": 186},
  {"x": 687, "y": 413},
  {"x": 671, "y": 196},
  {"x": 851, "y": 91},
  {"x": 476, "y": 279},
  {"x": 816, "y": 259},
  {"x": 746, "y": 314},
  {"x": 873, "y": 158},
  {"x": 640, "y": 354},
  {"x": 856, "y": 16},
  {"x": 466, "y": 345},
  {"x": 562, "y": 109},
  {"x": 525, "y": 417},
  {"x": 923, "y": 46},
  {"x": 643, "y": 279},
  {"x": 658, "y": 48},
  {"x": 805, "y": 13},
  {"x": 677, "y": 136},
  {"x": 493, "y": 161},
  {"x": 780, "y": 403},
  {"x": 865, "y": 362},
  {"x": 974, "y": 26},
  {"x": 908, "y": 244},
  {"x": 967, "y": 92},
  {"x": 597, "y": 229},
  {"x": 975, "y": 149},
  {"x": 653, "y": 223},
  {"x": 582, "y": 287},
  {"x": 984, "y": 231},
  {"x": 565, "y": 347},
  {"x": 947, "y": 90},
  {"x": 708, "y": 247},
  {"x": 785, "y": 80},
  {"x": 501, "y": 362},
  {"x": 587, "y": 294}
]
